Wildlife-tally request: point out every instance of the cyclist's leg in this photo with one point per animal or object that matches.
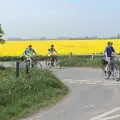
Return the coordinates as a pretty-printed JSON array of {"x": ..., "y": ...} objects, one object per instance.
[
  {"x": 26, "y": 61},
  {"x": 104, "y": 64},
  {"x": 52, "y": 60},
  {"x": 106, "y": 67},
  {"x": 30, "y": 61},
  {"x": 48, "y": 61},
  {"x": 56, "y": 60},
  {"x": 108, "y": 64},
  {"x": 112, "y": 64}
]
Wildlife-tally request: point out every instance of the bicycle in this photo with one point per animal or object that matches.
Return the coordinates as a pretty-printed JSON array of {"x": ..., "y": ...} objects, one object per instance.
[
  {"x": 32, "y": 62},
  {"x": 52, "y": 61},
  {"x": 113, "y": 70}
]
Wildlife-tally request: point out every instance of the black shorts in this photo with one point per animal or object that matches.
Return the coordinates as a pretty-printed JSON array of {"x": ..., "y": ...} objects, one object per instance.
[{"x": 104, "y": 62}]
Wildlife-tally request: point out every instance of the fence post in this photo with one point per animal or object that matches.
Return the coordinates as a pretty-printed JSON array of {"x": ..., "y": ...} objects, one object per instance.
[
  {"x": 17, "y": 69},
  {"x": 70, "y": 54},
  {"x": 27, "y": 68},
  {"x": 92, "y": 56}
]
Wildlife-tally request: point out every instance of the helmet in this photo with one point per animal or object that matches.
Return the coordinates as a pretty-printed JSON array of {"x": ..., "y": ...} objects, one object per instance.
[
  {"x": 30, "y": 46},
  {"x": 52, "y": 45},
  {"x": 109, "y": 43}
]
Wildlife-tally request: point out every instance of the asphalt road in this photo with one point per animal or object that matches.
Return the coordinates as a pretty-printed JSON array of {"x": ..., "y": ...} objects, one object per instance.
[{"x": 90, "y": 98}]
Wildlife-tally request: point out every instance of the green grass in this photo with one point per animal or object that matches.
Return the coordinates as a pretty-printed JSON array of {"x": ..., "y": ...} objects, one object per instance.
[
  {"x": 68, "y": 61},
  {"x": 80, "y": 61},
  {"x": 28, "y": 93},
  {"x": 15, "y": 58}
]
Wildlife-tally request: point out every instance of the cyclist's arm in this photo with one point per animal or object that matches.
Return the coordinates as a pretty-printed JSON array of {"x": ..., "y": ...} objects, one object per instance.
[
  {"x": 106, "y": 55},
  {"x": 55, "y": 50},
  {"x": 113, "y": 50},
  {"x": 26, "y": 53},
  {"x": 34, "y": 52}
]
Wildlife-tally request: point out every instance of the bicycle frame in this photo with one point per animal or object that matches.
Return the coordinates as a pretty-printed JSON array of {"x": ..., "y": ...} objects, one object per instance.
[{"x": 112, "y": 70}]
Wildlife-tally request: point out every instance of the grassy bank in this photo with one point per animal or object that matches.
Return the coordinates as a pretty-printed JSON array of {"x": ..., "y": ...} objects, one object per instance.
[
  {"x": 28, "y": 93},
  {"x": 80, "y": 61}
]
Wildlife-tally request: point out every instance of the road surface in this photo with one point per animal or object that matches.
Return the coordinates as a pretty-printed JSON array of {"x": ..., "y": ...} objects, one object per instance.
[{"x": 90, "y": 98}]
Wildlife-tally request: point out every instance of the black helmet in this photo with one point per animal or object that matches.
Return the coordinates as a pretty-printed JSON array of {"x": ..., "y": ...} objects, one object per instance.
[
  {"x": 30, "y": 46},
  {"x": 52, "y": 45},
  {"x": 109, "y": 43}
]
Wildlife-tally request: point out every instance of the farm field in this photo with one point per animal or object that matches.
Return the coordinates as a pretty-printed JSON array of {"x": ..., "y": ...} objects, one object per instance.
[{"x": 64, "y": 47}]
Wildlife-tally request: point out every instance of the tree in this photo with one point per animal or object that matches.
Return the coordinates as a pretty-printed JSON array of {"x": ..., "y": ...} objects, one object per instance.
[{"x": 1, "y": 34}]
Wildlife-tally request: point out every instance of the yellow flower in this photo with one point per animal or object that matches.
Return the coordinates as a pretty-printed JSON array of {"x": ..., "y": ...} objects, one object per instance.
[{"x": 64, "y": 47}]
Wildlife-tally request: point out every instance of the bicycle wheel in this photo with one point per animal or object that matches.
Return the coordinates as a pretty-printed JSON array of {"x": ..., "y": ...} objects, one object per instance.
[
  {"x": 116, "y": 72},
  {"x": 57, "y": 64},
  {"x": 39, "y": 65},
  {"x": 107, "y": 75},
  {"x": 48, "y": 63}
]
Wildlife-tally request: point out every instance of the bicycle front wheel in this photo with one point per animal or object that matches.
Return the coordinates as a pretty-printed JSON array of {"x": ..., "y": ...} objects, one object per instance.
[{"x": 116, "y": 73}]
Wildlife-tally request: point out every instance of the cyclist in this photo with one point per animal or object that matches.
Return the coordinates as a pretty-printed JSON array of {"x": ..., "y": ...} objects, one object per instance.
[
  {"x": 29, "y": 52},
  {"x": 52, "y": 50},
  {"x": 52, "y": 53},
  {"x": 109, "y": 50}
]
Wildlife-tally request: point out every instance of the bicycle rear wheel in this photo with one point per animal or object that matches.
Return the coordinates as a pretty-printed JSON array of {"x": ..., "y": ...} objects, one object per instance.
[
  {"x": 48, "y": 63},
  {"x": 107, "y": 75},
  {"x": 39, "y": 65},
  {"x": 108, "y": 72}
]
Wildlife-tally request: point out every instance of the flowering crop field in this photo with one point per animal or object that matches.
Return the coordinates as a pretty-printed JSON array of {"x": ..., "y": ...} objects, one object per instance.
[{"x": 64, "y": 47}]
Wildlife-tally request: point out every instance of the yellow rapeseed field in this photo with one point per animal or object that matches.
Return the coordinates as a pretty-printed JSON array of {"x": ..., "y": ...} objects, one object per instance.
[{"x": 16, "y": 48}]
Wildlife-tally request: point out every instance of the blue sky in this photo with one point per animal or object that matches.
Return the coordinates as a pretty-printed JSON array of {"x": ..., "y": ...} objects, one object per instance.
[{"x": 55, "y": 18}]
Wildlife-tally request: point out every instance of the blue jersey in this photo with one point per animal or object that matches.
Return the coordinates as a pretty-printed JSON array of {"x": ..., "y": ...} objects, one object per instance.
[
  {"x": 108, "y": 52},
  {"x": 29, "y": 51}
]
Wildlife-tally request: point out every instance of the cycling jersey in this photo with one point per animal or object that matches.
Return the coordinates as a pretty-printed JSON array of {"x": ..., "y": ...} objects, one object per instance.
[
  {"x": 51, "y": 51},
  {"x": 108, "y": 53},
  {"x": 29, "y": 52}
]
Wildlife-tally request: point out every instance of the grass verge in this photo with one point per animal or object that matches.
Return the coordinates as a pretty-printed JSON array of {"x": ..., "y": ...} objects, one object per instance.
[
  {"x": 80, "y": 61},
  {"x": 29, "y": 93}
]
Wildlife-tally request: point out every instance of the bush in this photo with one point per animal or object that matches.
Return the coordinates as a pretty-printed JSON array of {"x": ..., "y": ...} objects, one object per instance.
[{"x": 28, "y": 92}]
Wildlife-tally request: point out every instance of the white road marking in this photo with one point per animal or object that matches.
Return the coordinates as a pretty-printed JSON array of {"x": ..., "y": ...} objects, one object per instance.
[
  {"x": 111, "y": 117},
  {"x": 100, "y": 117},
  {"x": 88, "y": 106},
  {"x": 92, "y": 82}
]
